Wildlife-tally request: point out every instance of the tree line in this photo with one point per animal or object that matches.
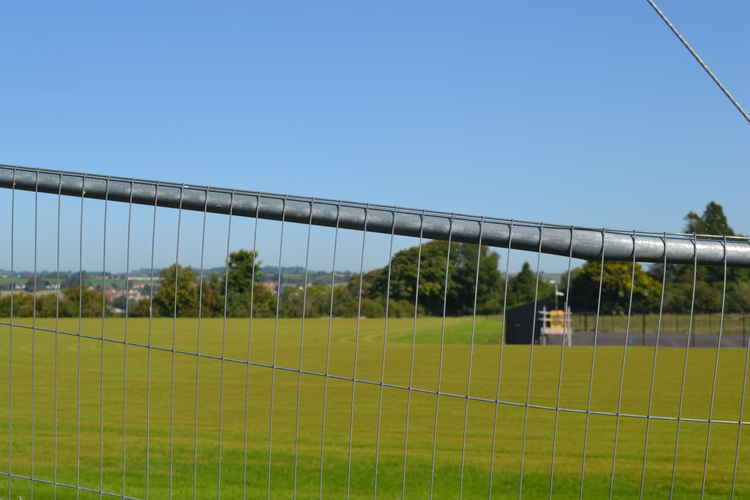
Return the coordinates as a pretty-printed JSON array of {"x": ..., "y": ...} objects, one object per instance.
[
  {"x": 680, "y": 295},
  {"x": 234, "y": 290}
]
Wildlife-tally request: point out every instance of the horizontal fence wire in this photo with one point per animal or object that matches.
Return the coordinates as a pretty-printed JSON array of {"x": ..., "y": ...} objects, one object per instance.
[
  {"x": 344, "y": 378},
  {"x": 444, "y": 384},
  {"x": 66, "y": 485}
]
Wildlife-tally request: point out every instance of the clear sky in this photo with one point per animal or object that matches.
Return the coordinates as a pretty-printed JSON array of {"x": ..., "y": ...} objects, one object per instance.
[{"x": 585, "y": 112}]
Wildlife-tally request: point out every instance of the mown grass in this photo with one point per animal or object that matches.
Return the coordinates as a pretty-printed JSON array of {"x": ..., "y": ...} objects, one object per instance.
[{"x": 131, "y": 416}]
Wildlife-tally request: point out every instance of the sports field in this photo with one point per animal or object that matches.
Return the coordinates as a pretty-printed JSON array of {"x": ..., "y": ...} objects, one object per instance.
[{"x": 33, "y": 404}]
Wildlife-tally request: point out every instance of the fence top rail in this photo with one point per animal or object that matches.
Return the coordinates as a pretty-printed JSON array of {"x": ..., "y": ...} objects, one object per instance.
[{"x": 556, "y": 239}]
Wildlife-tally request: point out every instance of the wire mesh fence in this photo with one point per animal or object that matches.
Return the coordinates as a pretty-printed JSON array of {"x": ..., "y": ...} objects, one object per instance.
[{"x": 167, "y": 340}]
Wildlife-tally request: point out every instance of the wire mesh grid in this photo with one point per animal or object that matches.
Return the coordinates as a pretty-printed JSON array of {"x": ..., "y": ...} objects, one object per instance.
[{"x": 149, "y": 354}]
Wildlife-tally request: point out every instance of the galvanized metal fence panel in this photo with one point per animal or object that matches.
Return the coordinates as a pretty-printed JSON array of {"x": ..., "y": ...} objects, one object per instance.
[{"x": 561, "y": 414}]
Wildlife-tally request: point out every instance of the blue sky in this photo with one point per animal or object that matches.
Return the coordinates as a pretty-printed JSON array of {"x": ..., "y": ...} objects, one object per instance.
[{"x": 586, "y": 113}]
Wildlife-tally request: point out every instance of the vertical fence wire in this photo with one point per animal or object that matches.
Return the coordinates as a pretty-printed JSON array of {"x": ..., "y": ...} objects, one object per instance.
[
  {"x": 715, "y": 377},
  {"x": 10, "y": 335},
  {"x": 500, "y": 360},
  {"x": 56, "y": 353},
  {"x": 683, "y": 379},
  {"x": 561, "y": 369},
  {"x": 652, "y": 378},
  {"x": 412, "y": 359},
  {"x": 384, "y": 351},
  {"x": 470, "y": 364},
  {"x": 197, "y": 382},
  {"x": 441, "y": 362},
  {"x": 274, "y": 355},
  {"x": 587, "y": 418},
  {"x": 172, "y": 361},
  {"x": 621, "y": 382},
  {"x": 740, "y": 415},
  {"x": 149, "y": 339},
  {"x": 78, "y": 345},
  {"x": 327, "y": 369},
  {"x": 248, "y": 357},
  {"x": 301, "y": 359},
  {"x": 125, "y": 391},
  {"x": 227, "y": 265},
  {"x": 530, "y": 370},
  {"x": 101, "y": 348},
  {"x": 33, "y": 339},
  {"x": 33, "y": 335},
  {"x": 355, "y": 364}
]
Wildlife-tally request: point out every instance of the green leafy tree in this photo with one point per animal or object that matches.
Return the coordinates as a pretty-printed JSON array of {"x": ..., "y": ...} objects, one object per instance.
[
  {"x": 522, "y": 287},
  {"x": 738, "y": 297},
  {"x": 243, "y": 271},
  {"x": 708, "y": 279},
  {"x": 680, "y": 297},
  {"x": 615, "y": 288},
  {"x": 47, "y": 305},
  {"x": 140, "y": 308},
  {"x": 712, "y": 221},
  {"x": 23, "y": 305},
  {"x": 372, "y": 308},
  {"x": 344, "y": 301},
  {"x": 317, "y": 301},
  {"x": 291, "y": 301},
  {"x": 461, "y": 278},
  {"x": 180, "y": 282},
  {"x": 264, "y": 302},
  {"x": 212, "y": 293},
  {"x": 90, "y": 307}
]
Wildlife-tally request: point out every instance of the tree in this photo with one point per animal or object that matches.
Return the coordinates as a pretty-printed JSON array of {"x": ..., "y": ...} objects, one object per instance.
[
  {"x": 522, "y": 288},
  {"x": 738, "y": 297},
  {"x": 264, "y": 302},
  {"x": 706, "y": 299},
  {"x": 317, "y": 301},
  {"x": 72, "y": 305},
  {"x": 344, "y": 301},
  {"x": 708, "y": 279},
  {"x": 713, "y": 221},
  {"x": 243, "y": 270},
  {"x": 462, "y": 275},
  {"x": 615, "y": 288},
  {"x": 140, "y": 308},
  {"x": 180, "y": 282},
  {"x": 291, "y": 298}
]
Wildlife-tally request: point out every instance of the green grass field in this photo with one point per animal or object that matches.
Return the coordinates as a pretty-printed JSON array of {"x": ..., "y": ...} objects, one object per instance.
[{"x": 132, "y": 415}]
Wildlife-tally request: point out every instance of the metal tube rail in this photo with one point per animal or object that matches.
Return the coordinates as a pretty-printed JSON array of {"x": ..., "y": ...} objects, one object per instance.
[{"x": 556, "y": 239}]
